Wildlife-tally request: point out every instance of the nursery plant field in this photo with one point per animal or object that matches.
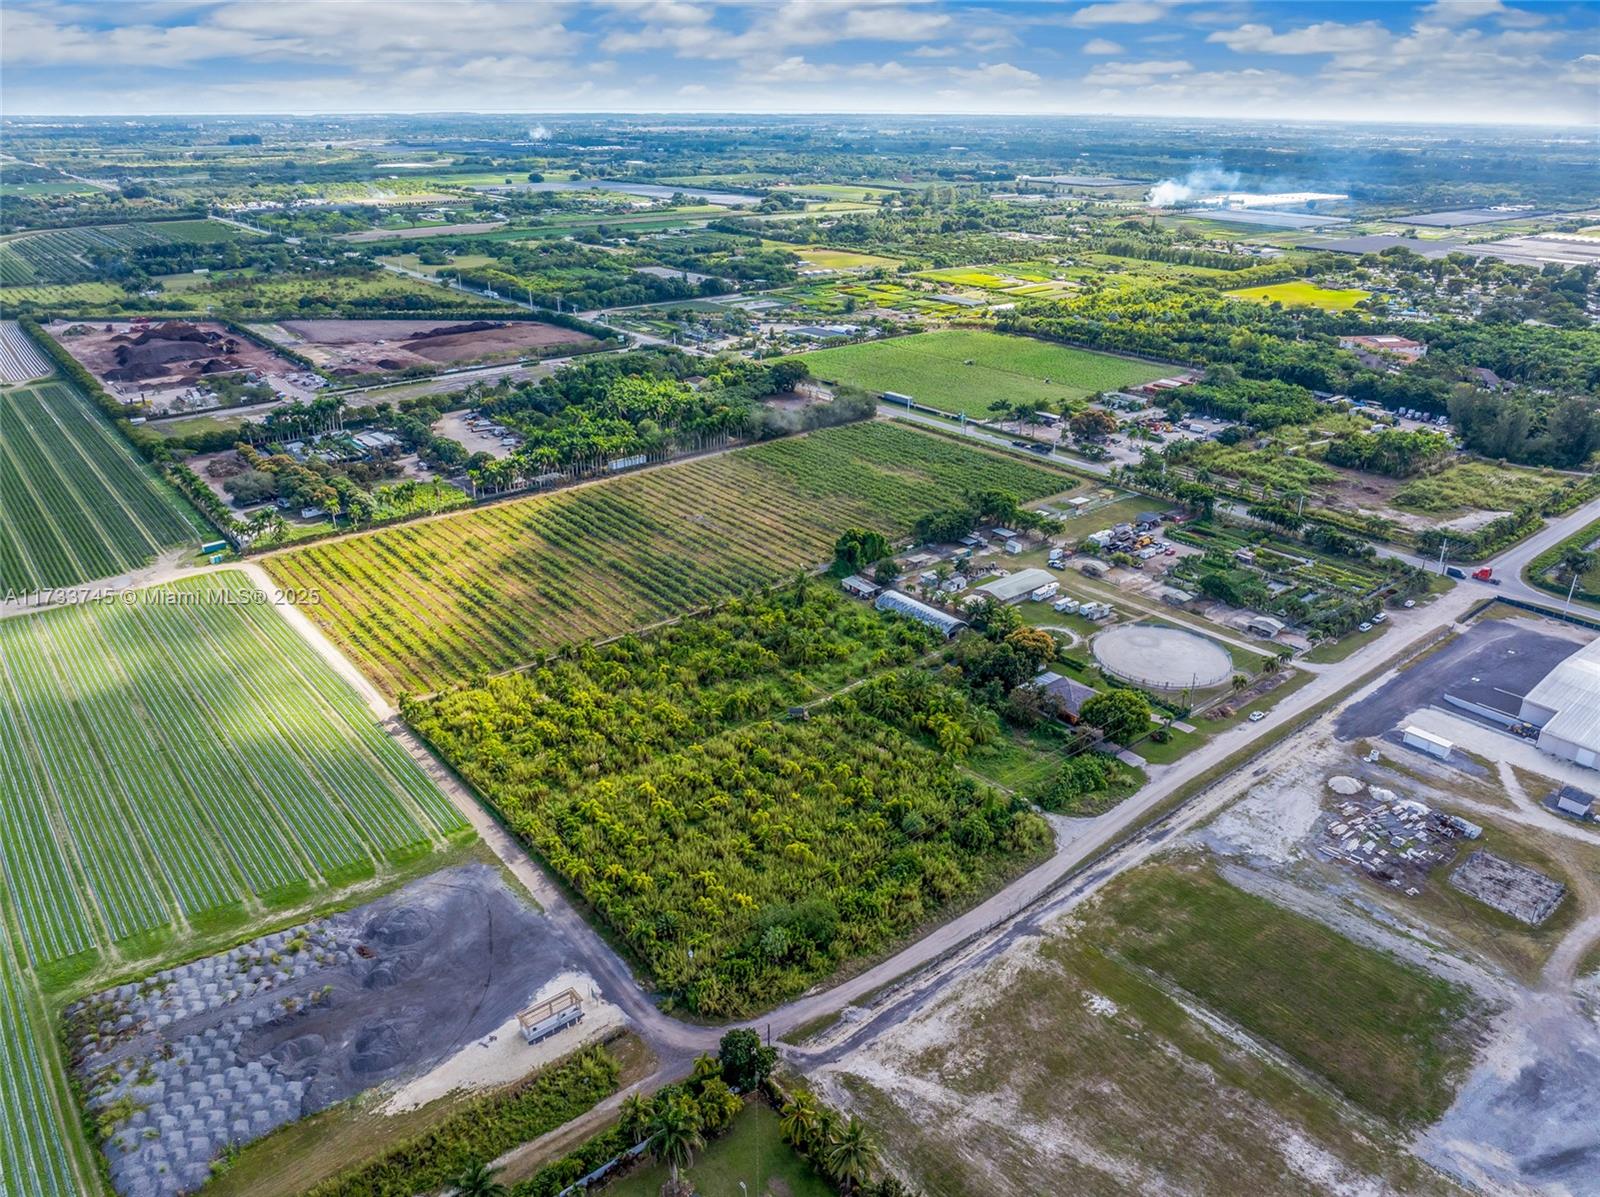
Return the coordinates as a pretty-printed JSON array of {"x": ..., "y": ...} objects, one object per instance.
[
  {"x": 1299, "y": 293},
  {"x": 964, "y": 370},
  {"x": 67, "y": 255},
  {"x": 426, "y": 603},
  {"x": 78, "y": 504},
  {"x": 182, "y": 757},
  {"x": 34, "y": 1156}
]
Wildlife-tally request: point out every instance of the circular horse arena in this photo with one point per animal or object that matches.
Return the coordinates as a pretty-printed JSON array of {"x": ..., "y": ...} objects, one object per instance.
[{"x": 1162, "y": 658}]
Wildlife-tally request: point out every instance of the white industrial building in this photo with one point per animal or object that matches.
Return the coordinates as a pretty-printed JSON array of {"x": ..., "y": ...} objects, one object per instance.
[
  {"x": 1565, "y": 707},
  {"x": 1018, "y": 585}
]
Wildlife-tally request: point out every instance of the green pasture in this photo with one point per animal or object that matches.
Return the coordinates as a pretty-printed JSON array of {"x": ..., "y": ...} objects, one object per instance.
[{"x": 965, "y": 370}]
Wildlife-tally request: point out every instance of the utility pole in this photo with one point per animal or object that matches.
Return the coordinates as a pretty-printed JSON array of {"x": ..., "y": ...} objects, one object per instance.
[
  {"x": 1570, "y": 591},
  {"x": 1443, "y": 544}
]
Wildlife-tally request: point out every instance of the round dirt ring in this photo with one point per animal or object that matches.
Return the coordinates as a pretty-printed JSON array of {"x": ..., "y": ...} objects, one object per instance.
[{"x": 1162, "y": 658}]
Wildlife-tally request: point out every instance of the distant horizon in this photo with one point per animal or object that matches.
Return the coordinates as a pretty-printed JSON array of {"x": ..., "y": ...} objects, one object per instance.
[
  {"x": 569, "y": 114},
  {"x": 1446, "y": 62}
]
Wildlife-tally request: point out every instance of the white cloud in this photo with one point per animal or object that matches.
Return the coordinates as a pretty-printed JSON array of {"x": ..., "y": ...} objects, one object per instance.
[
  {"x": 1325, "y": 37},
  {"x": 1583, "y": 71},
  {"x": 1464, "y": 12},
  {"x": 1100, "y": 46},
  {"x": 1119, "y": 12},
  {"x": 999, "y": 76},
  {"x": 1135, "y": 74}
]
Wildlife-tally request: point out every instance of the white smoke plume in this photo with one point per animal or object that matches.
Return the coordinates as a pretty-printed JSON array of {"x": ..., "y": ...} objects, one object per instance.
[
  {"x": 1202, "y": 180},
  {"x": 538, "y": 133}
]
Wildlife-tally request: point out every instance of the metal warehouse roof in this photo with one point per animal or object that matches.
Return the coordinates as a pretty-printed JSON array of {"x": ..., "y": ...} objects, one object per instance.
[
  {"x": 1572, "y": 691},
  {"x": 1012, "y": 586}
]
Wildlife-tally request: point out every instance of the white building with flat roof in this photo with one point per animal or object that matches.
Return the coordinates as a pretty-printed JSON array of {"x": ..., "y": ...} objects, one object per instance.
[{"x": 1565, "y": 707}]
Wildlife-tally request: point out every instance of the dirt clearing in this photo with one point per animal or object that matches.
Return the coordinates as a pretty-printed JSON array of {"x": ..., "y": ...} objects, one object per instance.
[{"x": 348, "y": 348}]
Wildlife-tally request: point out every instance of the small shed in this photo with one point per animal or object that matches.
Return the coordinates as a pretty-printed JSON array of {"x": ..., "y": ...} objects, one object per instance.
[
  {"x": 862, "y": 588},
  {"x": 1264, "y": 626},
  {"x": 1416, "y": 737},
  {"x": 551, "y": 1016},
  {"x": 1569, "y": 800}
]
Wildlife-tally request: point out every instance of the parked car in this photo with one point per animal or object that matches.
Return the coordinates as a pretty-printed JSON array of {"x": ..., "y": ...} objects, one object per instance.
[
  {"x": 1409, "y": 603},
  {"x": 1379, "y": 617},
  {"x": 1364, "y": 627},
  {"x": 1257, "y": 716}
]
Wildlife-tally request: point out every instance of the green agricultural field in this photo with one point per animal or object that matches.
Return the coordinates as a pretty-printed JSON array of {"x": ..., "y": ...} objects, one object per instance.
[
  {"x": 459, "y": 262},
  {"x": 933, "y": 368},
  {"x": 823, "y": 258},
  {"x": 255, "y": 298},
  {"x": 78, "y": 504},
  {"x": 181, "y": 763},
  {"x": 1387, "y": 1035},
  {"x": 423, "y": 604},
  {"x": 32, "y": 1120},
  {"x": 60, "y": 255},
  {"x": 60, "y": 295},
  {"x": 1300, "y": 293},
  {"x": 740, "y": 855}
]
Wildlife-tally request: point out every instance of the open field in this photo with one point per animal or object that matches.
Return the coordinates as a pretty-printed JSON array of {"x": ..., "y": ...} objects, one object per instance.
[
  {"x": 78, "y": 504},
  {"x": 183, "y": 758},
  {"x": 933, "y": 368},
  {"x": 1303, "y": 294},
  {"x": 452, "y": 598},
  {"x": 1479, "y": 486},
  {"x": 1386, "y": 1035},
  {"x": 355, "y": 347},
  {"x": 1066, "y": 1067},
  {"x": 823, "y": 258}
]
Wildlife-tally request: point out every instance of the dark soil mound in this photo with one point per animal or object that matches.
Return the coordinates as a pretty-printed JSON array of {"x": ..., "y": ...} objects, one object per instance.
[
  {"x": 378, "y": 1047},
  {"x": 451, "y": 330},
  {"x": 401, "y": 926}
]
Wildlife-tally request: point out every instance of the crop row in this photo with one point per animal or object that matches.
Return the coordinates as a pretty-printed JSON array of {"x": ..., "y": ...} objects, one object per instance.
[
  {"x": 180, "y": 754},
  {"x": 423, "y": 604},
  {"x": 33, "y": 1151},
  {"x": 78, "y": 504}
]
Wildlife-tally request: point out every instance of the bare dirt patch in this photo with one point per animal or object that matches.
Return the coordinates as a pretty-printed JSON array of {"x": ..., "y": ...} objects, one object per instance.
[
  {"x": 356, "y": 347},
  {"x": 164, "y": 362},
  {"x": 430, "y": 230}
]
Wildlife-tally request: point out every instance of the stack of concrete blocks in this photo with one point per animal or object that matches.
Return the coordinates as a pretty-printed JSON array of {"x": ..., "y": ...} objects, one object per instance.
[{"x": 192, "y": 1094}]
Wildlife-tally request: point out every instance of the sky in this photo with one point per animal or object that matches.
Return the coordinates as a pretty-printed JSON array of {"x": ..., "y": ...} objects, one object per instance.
[{"x": 1479, "y": 61}]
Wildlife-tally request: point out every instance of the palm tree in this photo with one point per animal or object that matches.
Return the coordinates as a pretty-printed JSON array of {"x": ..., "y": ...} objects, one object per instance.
[
  {"x": 705, "y": 1067},
  {"x": 675, "y": 1130},
  {"x": 479, "y": 1181},
  {"x": 635, "y": 1117},
  {"x": 852, "y": 1155},
  {"x": 798, "y": 1119}
]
